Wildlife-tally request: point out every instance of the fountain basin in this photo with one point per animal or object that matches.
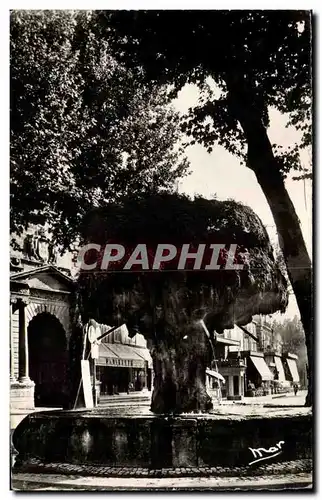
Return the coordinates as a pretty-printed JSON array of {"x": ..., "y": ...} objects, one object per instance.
[{"x": 94, "y": 437}]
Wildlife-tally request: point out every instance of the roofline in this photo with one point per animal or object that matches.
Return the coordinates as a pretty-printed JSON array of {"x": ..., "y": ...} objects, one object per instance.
[
  {"x": 47, "y": 267},
  {"x": 289, "y": 355}
]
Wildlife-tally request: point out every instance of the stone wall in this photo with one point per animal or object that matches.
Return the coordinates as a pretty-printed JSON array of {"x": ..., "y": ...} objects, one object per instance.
[{"x": 157, "y": 442}]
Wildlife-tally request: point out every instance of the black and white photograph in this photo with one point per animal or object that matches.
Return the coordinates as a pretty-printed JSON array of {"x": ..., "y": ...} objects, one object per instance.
[{"x": 161, "y": 238}]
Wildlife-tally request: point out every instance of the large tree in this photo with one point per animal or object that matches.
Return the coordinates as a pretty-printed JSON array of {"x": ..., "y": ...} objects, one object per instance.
[
  {"x": 256, "y": 60},
  {"x": 166, "y": 305},
  {"x": 84, "y": 129}
]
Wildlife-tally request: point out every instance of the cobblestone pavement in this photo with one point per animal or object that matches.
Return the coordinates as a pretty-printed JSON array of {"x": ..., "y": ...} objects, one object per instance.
[
  {"x": 52, "y": 482},
  {"x": 290, "y": 467}
]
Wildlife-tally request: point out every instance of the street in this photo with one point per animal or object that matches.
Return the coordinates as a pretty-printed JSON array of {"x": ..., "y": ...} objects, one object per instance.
[{"x": 281, "y": 403}]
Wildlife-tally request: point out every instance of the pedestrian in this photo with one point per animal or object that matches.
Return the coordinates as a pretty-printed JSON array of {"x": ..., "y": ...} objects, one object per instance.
[
  {"x": 250, "y": 389},
  {"x": 296, "y": 388}
]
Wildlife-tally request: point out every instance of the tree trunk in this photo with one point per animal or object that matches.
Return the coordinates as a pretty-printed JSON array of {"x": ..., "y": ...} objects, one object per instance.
[
  {"x": 265, "y": 166},
  {"x": 180, "y": 374},
  {"x": 296, "y": 258}
]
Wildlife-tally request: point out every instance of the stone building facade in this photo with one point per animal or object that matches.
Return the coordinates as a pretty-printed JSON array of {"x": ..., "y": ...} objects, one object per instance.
[
  {"x": 252, "y": 361},
  {"x": 41, "y": 300},
  {"x": 40, "y": 322}
]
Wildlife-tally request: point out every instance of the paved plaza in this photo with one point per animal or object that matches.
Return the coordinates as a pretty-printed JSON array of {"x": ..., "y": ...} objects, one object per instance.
[
  {"x": 141, "y": 405},
  {"x": 277, "y": 404}
]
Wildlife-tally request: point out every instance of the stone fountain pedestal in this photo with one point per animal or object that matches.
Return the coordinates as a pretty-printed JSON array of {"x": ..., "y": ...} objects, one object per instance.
[{"x": 94, "y": 437}]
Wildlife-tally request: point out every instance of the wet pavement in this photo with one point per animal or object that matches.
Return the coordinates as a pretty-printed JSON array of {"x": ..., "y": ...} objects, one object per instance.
[{"x": 272, "y": 405}]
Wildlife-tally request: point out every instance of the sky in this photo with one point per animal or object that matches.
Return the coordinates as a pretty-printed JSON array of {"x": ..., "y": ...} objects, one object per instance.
[{"x": 220, "y": 173}]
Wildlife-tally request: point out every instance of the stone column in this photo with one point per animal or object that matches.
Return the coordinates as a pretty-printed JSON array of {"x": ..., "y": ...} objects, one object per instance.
[
  {"x": 12, "y": 362},
  {"x": 145, "y": 375},
  {"x": 22, "y": 391},
  {"x": 230, "y": 386},
  {"x": 240, "y": 388},
  {"x": 23, "y": 344},
  {"x": 152, "y": 379}
]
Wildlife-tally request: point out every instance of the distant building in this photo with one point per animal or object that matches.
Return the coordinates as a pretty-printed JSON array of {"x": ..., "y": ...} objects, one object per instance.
[{"x": 252, "y": 361}]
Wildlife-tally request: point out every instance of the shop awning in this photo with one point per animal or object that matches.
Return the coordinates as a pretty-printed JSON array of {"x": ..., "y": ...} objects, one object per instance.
[
  {"x": 291, "y": 363},
  {"x": 119, "y": 356},
  {"x": 216, "y": 375},
  {"x": 262, "y": 368},
  {"x": 280, "y": 369},
  {"x": 224, "y": 340},
  {"x": 144, "y": 353}
]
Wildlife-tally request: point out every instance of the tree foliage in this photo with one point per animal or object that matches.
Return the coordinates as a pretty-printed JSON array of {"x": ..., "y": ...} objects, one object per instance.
[
  {"x": 263, "y": 56},
  {"x": 84, "y": 129},
  {"x": 244, "y": 62}
]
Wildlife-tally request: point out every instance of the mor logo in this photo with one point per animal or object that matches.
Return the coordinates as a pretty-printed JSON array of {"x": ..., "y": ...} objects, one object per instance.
[{"x": 264, "y": 454}]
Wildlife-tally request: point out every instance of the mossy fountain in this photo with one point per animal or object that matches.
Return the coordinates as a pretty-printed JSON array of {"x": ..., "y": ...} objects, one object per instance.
[{"x": 167, "y": 306}]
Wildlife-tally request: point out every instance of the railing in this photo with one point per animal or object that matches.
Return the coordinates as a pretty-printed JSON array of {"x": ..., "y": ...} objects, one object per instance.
[
  {"x": 273, "y": 351},
  {"x": 231, "y": 363}
]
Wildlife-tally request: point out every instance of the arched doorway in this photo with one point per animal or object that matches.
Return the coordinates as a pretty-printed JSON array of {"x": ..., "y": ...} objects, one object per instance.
[{"x": 48, "y": 360}]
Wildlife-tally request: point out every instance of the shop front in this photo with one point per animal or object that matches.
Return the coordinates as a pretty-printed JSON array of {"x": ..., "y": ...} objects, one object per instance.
[
  {"x": 259, "y": 378},
  {"x": 214, "y": 383},
  {"x": 279, "y": 383},
  {"x": 233, "y": 370},
  {"x": 123, "y": 369},
  {"x": 230, "y": 366},
  {"x": 290, "y": 367}
]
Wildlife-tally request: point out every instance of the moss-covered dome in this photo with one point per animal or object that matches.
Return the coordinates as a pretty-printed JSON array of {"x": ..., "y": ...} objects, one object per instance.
[{"x": 225, "y": 297}]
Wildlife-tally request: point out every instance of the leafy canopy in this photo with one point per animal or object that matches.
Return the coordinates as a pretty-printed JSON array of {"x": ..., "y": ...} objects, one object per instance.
[
  {"x": 259, "y": 59},
  {"x": 84, "y": 129}
]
